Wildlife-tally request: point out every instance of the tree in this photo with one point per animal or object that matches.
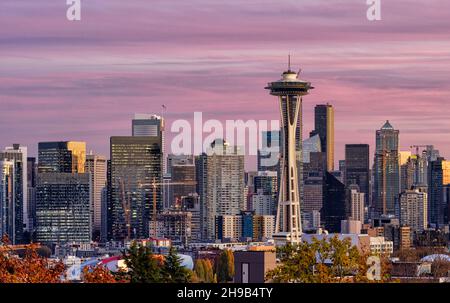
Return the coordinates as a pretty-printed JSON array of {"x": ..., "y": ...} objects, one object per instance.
[
  {"x": 204, "y": 271},
  {"x": 32, "y": 268},
  {"x": 323, "y": 261},
  {"x": 225, "y": 266},
  {"x": 143, "y": 266},
  {"x": 98, "y": 274},
  {"x": 173, "y": 271}
]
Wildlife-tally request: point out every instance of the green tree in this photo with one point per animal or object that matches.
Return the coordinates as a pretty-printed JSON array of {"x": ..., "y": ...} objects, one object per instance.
[
  {"x": 225, "y": 266},
  {"x": 142, "y": 265},
  {"x": 173, "y": 271}
]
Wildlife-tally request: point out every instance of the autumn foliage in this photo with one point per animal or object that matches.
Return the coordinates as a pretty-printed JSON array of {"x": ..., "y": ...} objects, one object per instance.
[
  {"x": 32, "y": 268},
  {"x": 99, "y": 274}
]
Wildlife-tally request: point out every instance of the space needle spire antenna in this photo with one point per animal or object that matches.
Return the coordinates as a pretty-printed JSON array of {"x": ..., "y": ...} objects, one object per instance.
[
  {"x": 289, "y": 61},
  {"x": 289, "y": 91}
]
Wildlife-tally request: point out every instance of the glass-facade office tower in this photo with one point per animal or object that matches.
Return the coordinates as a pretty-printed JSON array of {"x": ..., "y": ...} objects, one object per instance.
[
  {"x": 150, "y": 125},
  {"x": 11, "y": 219},
  {"x": 269, "y": 153},
  {"x": 96, "y": 167},
  {"x": 386, "y": 171},
  {"x": 357, "y": 168},
  {"x": 62, "y": 157},
  {"x": 335, "y": 206},
  {"x": 63, "y": 208},
  {"x": 439, "y": 178},
  {"x": 135, "y": 182},
  {"x": 18, "y": 210},
  {"x": 324, "y": 127},
  {"x": 289, "y": 91},
  {"x": 31, "y": 183}
]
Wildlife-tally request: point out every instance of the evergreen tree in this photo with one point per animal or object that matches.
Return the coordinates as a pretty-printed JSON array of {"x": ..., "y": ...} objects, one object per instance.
[
  {"x": 173, "y": 271},
  {"x": 142, "y": 264}
]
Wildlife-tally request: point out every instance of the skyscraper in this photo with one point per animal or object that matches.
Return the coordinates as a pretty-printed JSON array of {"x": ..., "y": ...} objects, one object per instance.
[
  {"x": 96, "y": 167},
  {"x": 440, "y": 176},
  {"x": 289, "y": 91},
  {"x": 356, "y": 199},
  {"x": 387, "y": 172},
  {"x": 18, "y": 154},
  {"x": 135, "y": 168},
  {"x": 266, "y": 187},
  {"x": 63, "y": 208},
  {"x": 224, "y": 176},
  {"x": 151, "y": 125},
  {"x": 269, "y": 153},
  {"x": 311, "y": 145},
  {"x": 357, "y": 169},
  {"x": 335, "y": 206},
  {"x": 31, "y": 183},
  {"x": 61, "y": 157},
  {"x": 324, "y": 127},
  {"x": 11, "y": 219},
  {"x": 183, "y": 179},
  {"x": 413, "y": 210}
]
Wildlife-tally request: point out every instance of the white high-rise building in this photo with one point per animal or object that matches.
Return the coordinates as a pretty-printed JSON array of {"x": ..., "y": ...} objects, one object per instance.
[
  {"x": 356, "y": 203},
  {"x": 224, "y": 184},
  {"x": 414, "y": 209},
  {"x": 96, "y": 166}
]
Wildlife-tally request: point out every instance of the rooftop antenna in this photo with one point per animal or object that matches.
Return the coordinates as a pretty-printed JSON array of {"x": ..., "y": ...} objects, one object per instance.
[{"x": 289, "y": 62}]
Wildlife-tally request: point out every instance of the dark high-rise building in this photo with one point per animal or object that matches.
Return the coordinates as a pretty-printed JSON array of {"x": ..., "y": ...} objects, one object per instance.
[
  {"x": 11, "y": 219},
  {"x": 150, "y": 125},
  {"x": 357, "y": 168},
  {"x": 61, "y": 157},
  {"x": 324, "y": 127},
  {"x": 63, "y": 208},
  {"x": 136, "y": 165},
  {"x": 201, "y": 166},
  {"x": 386, "y": 171},
  {"x": 183, "y": 180},
  {"x": 14, "y": 214},
  {"x": 436, "y": 203},
  {"x": 266, "y": 183},
  {"x": 335, "y": 207},
  {"x": 31, "y": 184},
  {"x": 269, "y": 154},
  {"x": 408, "y": 174}
]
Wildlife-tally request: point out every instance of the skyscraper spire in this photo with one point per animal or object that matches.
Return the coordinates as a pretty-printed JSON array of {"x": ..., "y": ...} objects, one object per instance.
[{"x": 289, "y": 62}]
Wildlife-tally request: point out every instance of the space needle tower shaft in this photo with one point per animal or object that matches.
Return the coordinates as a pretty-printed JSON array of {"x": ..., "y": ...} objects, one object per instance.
[{"x": 289, "y": 89}]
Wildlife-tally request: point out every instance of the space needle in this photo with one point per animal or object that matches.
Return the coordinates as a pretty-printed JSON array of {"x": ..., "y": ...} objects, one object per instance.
[{"x": 289, "y": 89}]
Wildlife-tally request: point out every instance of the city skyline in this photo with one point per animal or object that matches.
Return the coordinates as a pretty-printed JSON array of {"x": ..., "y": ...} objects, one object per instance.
[{"x": 84, "y": 81}]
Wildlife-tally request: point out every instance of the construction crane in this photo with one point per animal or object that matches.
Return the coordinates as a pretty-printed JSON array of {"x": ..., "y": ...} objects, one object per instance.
[
  {"x": 154, "y": 186},
  {"x": 417, "y": 147},
  {"x": 126, "y": 205}
]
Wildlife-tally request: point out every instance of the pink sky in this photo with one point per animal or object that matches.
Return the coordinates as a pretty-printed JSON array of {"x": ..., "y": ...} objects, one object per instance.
[{"x": 63, "y": 80}]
